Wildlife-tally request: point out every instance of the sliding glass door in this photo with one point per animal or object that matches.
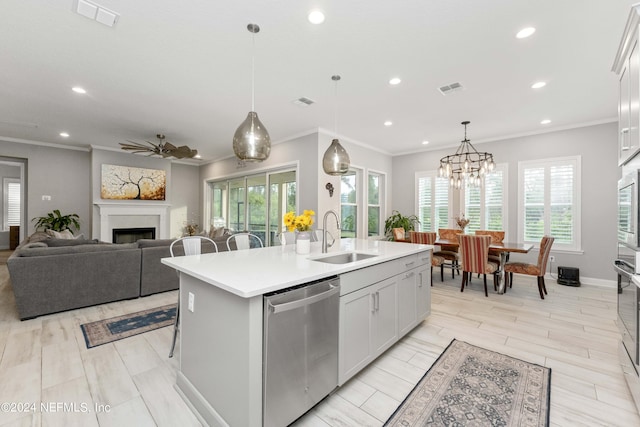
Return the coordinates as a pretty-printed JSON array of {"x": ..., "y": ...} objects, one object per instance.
[{"x": 244, "y": 204}]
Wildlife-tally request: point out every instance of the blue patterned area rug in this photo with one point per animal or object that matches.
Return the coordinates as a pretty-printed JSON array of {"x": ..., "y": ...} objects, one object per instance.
[
  {"x": 472, "y": 386},
  {"x": 117, "y": 328}
]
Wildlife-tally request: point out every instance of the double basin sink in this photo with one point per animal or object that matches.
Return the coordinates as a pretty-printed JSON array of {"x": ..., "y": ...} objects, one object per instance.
[{"x": 344, "y": 258}]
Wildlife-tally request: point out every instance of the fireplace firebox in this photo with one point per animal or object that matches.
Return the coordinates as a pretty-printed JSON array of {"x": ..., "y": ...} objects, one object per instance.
[{"x": 131, "y": 235}]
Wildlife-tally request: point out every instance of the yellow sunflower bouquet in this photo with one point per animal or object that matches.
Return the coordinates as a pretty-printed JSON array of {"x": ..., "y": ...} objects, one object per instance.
[{"x": 300, "y": 222}]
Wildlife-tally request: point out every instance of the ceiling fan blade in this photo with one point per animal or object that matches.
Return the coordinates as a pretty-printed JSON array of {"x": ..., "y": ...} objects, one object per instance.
[{"x": 183, "y": 152}]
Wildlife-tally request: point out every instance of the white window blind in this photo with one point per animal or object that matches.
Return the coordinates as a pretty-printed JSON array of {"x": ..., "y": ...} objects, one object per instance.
[
  {"x": 374, "y": 203},
  {"x": 485, "y": 206},
  {"x": 432, "y": 201},
  {"x": 11, "y": 202},
  {"x": 549, "y": 201}
]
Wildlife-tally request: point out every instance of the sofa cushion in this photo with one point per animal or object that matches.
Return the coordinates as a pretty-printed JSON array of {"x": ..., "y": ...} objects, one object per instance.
[
  {"x": 61, "y": 250},
  {"x": 152, "y": 243},
  {"x": 64, "y": 234},
  {"x": 53, "y": 242}
]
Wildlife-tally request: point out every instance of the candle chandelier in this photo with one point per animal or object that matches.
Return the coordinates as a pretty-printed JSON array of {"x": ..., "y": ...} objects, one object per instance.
[{"x": 467, "y": 165}]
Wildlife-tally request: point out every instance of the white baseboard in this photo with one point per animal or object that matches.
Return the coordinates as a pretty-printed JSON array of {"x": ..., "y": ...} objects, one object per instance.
[{"x": 604, "y": 283}]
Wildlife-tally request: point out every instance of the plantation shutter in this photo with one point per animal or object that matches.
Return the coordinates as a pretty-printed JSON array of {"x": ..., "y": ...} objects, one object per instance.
[
  {"x": 441, "y": 203},
  {"x": 424, "y": 203},
  {"x": 13, "y": 203},
  {"x": 473, "y": 208},
  {"x": 494, "y": 197},
  {"x": 533, "y": 204},
  {"x": 433, "y": 202},
  {"x": 561, "y": 194}
]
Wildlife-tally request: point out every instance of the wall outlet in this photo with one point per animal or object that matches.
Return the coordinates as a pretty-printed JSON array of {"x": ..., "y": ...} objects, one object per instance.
[
  {"x": 192, "y": 299},
  {"x": 552, "y": 258}
]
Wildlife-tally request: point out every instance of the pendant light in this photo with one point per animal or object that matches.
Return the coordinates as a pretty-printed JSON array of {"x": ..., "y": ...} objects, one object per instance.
[
  {"x": 251, "y": 142},
  {"x": 335, "y": 160}
]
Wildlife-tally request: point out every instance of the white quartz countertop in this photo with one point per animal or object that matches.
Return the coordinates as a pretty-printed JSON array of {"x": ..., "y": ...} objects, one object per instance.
[{"x": 254, "y": 272}]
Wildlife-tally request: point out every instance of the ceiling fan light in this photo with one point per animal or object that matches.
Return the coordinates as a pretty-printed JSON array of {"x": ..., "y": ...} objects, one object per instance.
[
  {"x": 252, "y": 142},
  {"x": 336, "y": 159}
]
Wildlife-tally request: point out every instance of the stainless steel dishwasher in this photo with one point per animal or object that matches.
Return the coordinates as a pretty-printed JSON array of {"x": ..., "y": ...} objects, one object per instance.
[{"x": 300, "y": 366}]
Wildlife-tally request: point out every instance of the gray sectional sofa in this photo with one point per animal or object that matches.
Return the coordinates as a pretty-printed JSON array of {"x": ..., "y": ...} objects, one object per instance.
[{"x": 52, "y": 275}]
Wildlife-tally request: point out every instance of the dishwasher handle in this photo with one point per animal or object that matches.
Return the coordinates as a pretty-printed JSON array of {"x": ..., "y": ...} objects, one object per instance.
[{"x": 279, "y": 308}]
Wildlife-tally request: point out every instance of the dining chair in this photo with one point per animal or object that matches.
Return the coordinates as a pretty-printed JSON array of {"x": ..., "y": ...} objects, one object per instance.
[
  {"x": 398, "y": 233},
  {"x": 474, "y": 257},
  {"x": 190, "y": 245},
  {"x": 496, "y": 237},
  {"x": 429, "y": 238},
  {"x": 244, "y": 241},
  {"x": 448, "y": 252},
  {"x": 537, "y": 269},
  {"x": 287, "y": 238}
]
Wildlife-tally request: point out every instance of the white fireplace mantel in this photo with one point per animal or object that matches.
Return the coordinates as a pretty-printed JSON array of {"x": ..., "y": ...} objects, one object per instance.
[{"x": 107, "y": 212}]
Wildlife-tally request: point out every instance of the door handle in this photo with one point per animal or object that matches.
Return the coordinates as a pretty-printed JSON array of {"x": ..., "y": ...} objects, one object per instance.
[
  {"x": 373, "y": 302},
  {"x": 409, "y": 264},
  {"x": 278, "y": 308},
  {"x": 377, "y": 301},
  {"x": 420, "y": 285}
]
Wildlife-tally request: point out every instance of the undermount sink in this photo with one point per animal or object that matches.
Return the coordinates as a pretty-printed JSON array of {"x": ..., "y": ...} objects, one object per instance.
[{"x": 344, "y": 258}]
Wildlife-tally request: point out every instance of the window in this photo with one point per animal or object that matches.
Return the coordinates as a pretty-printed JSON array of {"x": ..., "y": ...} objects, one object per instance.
[
  {"x": 485, "y": 206},
  {"x": 11, "y": 191},
  {"x": 549, "y": 201},
  {"x": 374, "y": 203},
  {"x": 255, "y": 203},
  {"x": 349, "y": 204},
  {"x": 432, "y": 201}
]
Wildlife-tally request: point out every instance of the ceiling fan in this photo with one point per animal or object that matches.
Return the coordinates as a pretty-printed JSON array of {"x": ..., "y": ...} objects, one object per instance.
[{"x": 162, "y": 148}]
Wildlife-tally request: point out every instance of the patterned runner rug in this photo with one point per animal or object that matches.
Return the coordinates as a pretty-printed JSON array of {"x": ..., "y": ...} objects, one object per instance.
[
  {"x": 117, "y": 328},
  {"x": 472, "y": 386}
]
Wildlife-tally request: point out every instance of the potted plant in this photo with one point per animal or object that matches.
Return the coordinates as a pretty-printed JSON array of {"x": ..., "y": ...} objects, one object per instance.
[
  {"x": 57, "y": 222},
  {"x": 397, "y": 220}
]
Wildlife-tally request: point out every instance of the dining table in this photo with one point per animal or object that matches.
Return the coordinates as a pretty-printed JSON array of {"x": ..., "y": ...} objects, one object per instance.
[{"x": 503, "y": 248}]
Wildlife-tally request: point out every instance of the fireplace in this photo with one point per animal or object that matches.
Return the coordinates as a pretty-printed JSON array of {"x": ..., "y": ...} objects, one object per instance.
[{"x": 131, "y": 235}]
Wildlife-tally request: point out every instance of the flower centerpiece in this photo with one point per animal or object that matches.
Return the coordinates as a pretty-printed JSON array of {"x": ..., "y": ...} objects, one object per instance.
[
  {"x": 462, "y": 221},
  {"x": 302, "y": 225},
  {"x": 300, "y": 222}
]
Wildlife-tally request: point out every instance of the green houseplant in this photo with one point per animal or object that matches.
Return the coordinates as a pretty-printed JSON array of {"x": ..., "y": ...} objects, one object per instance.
[
  {"x": 57, "y": 222},
  {"x": 397, "y": 220}
]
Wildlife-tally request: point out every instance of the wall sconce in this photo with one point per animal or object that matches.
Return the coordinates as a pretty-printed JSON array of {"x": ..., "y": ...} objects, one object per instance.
[{"x": 329, "y": 187}]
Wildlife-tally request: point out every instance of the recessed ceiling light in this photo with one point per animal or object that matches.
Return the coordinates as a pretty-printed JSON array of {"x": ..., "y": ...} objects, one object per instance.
[
  {"x": 316, "y": 17},
  {"x": 425, "y": 142},
  {"x": 197, "y": 156},
  {"x": 545, "y": 122},
  {"x": 525, "y": 32},
  {"x": 388, "y": 123},
  {"x": 538, "y": 85},
  {"x": 394, "y": 81},
  {"x": 64, "y": 134},
  {"x": 78, "y": 89}
]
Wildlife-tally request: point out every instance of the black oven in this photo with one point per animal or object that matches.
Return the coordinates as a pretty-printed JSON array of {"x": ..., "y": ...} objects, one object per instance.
[{"x": 628, "y": 312}]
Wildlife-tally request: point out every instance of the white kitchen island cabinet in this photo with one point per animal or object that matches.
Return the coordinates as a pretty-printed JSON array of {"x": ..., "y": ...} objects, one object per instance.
[{"x": 221, "y": 350}]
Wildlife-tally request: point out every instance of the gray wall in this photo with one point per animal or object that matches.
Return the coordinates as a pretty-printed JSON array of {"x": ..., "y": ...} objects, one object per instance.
[
  {"x": 60, "y": 173},
  {"x": 598, "y": 147},
  {"x": 185, "y": 198}
]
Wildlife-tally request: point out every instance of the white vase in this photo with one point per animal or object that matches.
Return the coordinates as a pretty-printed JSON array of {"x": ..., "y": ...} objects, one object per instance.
[{"x": 303, "y": 242}]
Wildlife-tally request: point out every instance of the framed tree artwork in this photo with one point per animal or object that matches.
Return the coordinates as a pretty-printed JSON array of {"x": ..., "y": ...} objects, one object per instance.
[{"x": 129, "y": 183}]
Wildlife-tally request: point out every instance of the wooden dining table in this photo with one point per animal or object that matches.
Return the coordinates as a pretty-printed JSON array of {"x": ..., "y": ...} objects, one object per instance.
[{"x": 504, "y": 248}]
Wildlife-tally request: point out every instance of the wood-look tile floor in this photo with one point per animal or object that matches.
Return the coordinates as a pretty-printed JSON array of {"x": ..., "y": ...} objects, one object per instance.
[{"x": 573, "y": 331}]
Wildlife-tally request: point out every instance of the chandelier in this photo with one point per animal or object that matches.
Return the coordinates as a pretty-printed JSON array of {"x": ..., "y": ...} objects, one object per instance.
[{"x": 467, "y": 165}]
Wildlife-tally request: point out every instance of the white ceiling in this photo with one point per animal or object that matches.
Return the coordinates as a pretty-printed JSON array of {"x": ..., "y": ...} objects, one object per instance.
[{"x": 184, "y": 69}]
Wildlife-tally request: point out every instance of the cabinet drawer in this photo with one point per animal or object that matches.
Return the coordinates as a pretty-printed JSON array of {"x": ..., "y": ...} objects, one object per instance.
[{"x": 358, "y": 279}]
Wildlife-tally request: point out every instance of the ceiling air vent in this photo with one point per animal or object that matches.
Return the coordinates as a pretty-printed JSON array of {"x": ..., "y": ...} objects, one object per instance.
[
  {"x": 450, "y": 88},
  {"x": 303, "y": 102}
]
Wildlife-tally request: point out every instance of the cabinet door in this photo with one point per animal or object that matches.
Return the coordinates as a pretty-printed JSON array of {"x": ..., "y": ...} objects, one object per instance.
[
  {"x": 355, "y": 342},
  {"x": 623, "y": 116},
  {"x": 634, "y": 98},
  {"x": 423, "y": 292},
  {"x": 385, "y": 315},
  {"x": 407, "y": 313}
]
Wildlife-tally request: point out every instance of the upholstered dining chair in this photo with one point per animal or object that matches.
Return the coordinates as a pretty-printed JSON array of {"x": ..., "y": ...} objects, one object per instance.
[
  {"x": 429, "y": 238},
  {"x": 191, "y": 245},
  {"x": 496, "y": 237},
  {"x": 244, "y": 241},
  {"x": 398, "y": 233},
  {"x": 474, "y": 258},
  {"x": 537, "y": 269},
  {"x": 449, "y": 253}
]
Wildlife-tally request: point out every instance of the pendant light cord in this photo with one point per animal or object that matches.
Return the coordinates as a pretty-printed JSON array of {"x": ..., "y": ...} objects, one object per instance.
[
  {"x": 253, "y": 71},
  {"x": 335, "y": 106}
]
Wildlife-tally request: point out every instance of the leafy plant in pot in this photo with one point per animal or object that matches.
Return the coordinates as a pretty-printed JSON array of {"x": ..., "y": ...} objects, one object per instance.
[
  {"x": 397, "y": 220},
  {"x": 57, "y": 222}
]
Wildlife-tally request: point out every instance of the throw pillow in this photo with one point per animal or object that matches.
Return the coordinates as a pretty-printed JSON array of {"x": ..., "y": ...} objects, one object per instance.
[
  {"x": 38, "y": 236},
  {"x": 64, "y": 234}
]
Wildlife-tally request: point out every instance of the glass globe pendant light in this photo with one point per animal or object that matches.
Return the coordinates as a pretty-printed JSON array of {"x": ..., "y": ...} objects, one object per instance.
[
  {"x": 336, "y": 159},
  {"x": 251, "y": 142}
]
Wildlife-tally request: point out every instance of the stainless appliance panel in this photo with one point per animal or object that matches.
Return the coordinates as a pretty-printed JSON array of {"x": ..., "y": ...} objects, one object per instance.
[
  {"x": 628, "y": 196},
  {"x": 300, "y": 350},
  {"x": 628, "y": 315}
]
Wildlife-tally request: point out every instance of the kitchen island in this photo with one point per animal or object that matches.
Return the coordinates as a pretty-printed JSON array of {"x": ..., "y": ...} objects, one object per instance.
[{"x": 220, "y": 376}]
